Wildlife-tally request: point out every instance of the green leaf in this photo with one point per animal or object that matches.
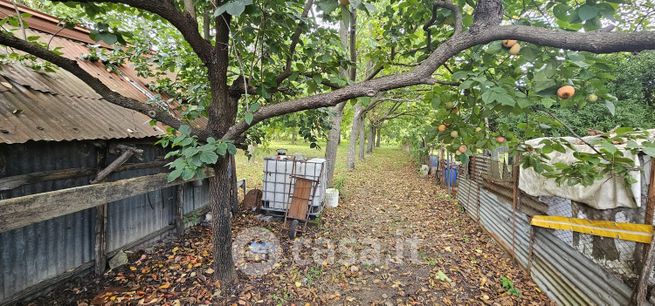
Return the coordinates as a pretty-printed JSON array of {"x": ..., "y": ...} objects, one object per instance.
[
  {"x": 592, "y": 24},
  {"x": 188, "y": 173},
  {"x": 505, "y": 99},
  {"x": 435, "y": 101},
  {"x": 208, "y": 157},
  {"x": 328, "y": 6},
  {"x": 234, "y": 8},
  {"x": 587, "y": 11},
  {"x": 649, "y": 149},
  {"x": 175, "y": 174},
  {"x": 547, "y": 102},
  {"x": 458, "y": 75},
  {"x": 248, "y": 118},
  {"x": 221, "y": 149},
  {"x": 185, "y": 129},
  {"x": 610, "y": 107},
  {"x": 231, "y": 148},
  {"x": 561, "y": 11},
  {"x": 109, "y": 38}
]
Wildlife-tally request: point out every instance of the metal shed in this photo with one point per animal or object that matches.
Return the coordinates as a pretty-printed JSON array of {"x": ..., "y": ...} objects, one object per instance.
[{"x": 56, "y": 134}]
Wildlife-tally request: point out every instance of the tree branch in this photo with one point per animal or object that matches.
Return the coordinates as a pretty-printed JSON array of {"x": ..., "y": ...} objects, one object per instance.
[
  {"x": 596, "y": 42},
  {"x": 295, "y": 37},
  {"x": 111, "y": 96},
  {"x": 449, "y": 5},
  {"x": 166, "y": 9}
]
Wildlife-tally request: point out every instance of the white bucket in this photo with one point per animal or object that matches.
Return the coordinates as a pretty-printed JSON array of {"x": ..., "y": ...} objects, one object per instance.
[
  {"x": 424, "y": 170},
  {"x": 331, "y": 197}
]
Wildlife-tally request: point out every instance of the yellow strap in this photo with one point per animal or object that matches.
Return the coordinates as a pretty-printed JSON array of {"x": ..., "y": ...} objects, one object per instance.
[{"x": 625, "y": 231}]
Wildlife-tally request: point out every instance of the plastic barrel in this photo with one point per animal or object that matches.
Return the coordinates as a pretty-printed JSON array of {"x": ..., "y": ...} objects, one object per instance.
[
  {"x": 450, "y": 175},
  {"x": 434, "y": 161}
]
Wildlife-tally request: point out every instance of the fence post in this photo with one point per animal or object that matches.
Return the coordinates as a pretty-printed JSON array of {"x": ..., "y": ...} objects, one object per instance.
[
  {"x": 101, "y": 239},
  {"x": 641, "y": 290},
  {"x": 101, "y": 219},
  {"x": 179, "y": 210},
  {"x": 515, "y": 197}
]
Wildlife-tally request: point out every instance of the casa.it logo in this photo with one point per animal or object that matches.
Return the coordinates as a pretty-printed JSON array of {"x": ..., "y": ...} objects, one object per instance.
[{"x": 256, "y": 251}]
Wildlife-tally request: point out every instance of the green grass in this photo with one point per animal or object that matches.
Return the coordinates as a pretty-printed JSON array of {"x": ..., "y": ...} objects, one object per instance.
[{"x": 253, "y": 170}]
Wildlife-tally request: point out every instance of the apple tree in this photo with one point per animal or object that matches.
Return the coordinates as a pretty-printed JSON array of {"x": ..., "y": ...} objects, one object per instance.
[{"x": 241, "y": 62}]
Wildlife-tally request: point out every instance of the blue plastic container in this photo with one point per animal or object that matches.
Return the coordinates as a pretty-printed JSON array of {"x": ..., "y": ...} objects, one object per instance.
[
  {"x": 434, "y": 161},
  {"x": 450, "y": 175}
]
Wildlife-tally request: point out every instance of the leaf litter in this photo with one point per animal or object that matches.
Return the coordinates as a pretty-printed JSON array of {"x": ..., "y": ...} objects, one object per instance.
[{"x": 454, "y": 261}]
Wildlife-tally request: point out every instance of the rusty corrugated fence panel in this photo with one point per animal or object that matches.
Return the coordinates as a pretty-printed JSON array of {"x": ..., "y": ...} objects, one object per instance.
[
  {"x": 43, "y": 250},
  {"x": 40, "y": 251},
  {"x": 496, "y": 217},
  {"x": 564, "y": 274},
  {"x": 467, "y": 195}
]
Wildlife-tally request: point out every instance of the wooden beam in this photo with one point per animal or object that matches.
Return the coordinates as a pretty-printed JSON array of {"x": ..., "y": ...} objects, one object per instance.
[
  {"x": 13, "y": 182},
  {"x": 128, "y": 152},
  {"x": 25, "y": 210}
]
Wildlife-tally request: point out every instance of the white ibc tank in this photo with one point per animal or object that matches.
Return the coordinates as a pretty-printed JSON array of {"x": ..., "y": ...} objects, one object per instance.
[{"x": 277, "y": 182}]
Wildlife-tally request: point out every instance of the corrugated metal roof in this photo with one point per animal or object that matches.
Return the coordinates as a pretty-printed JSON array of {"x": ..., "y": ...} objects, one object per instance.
[
  {"x": 64, "y": 83},
  {"x": 58, "y": 106},
  {"x": 27, "y": 114},
  {"x": 46, "y": 23},
  {"x": 100, "y": 121}
]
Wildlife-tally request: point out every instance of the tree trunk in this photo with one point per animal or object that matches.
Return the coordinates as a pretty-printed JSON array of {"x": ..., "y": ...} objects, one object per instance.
[
  {"x": 358, "y": 108},
  {"x": 371, "y": 139},
  {"x": 220, "y": 202},
  {"x": 378, "y": 137},
  {"x": 222, "y": 114},
  {"x": 234, "y": 196},
  {"x": 334, "y": 138},
  {"x": 362, "y": 137},
  {"x": 354, "y": 133},
  {"x": 294, "y": 137}
]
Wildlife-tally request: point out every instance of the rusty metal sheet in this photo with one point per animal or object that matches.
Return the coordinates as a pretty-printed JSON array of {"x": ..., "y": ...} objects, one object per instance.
[
  {"x": 98, "y": 121},
  {"x": 46, "y": 23},
  {"x": 27, "y": 114}
]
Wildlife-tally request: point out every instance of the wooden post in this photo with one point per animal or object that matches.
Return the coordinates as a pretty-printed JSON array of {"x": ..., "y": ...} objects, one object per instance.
[
  {"x": 101, "y": 239},
  {"x": 101, "y": 221},
  {"x": 641, "y": 290},
  {"x": 516, "y": 167},
  {"x": 179, "y": 210}
]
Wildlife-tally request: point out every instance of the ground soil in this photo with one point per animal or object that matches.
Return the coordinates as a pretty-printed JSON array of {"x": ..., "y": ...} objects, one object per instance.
[{"x": 386, "y": 208}]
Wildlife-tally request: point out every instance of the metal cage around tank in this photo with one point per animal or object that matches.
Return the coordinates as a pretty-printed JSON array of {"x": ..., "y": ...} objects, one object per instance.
[{"x": 278, "y": 183}]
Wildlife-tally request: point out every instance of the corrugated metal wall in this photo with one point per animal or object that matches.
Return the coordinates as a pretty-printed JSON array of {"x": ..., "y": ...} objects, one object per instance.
[
  {"x": 564, "y": 274},
  {"x": 41, "y": 251}
]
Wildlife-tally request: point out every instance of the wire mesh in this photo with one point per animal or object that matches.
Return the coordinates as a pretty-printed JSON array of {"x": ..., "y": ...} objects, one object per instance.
[
  {"x": 618, "y": 257},
  {"x": 278, "y": 183}
]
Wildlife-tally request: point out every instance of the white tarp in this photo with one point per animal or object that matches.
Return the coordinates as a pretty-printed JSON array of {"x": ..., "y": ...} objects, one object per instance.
[{"x": 606, "y": 193}]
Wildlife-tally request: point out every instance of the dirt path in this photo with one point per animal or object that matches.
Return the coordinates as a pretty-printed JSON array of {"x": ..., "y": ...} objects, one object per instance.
[
  {"x": 456, "y": 262},
  {"x": 396, "y": 239}
]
